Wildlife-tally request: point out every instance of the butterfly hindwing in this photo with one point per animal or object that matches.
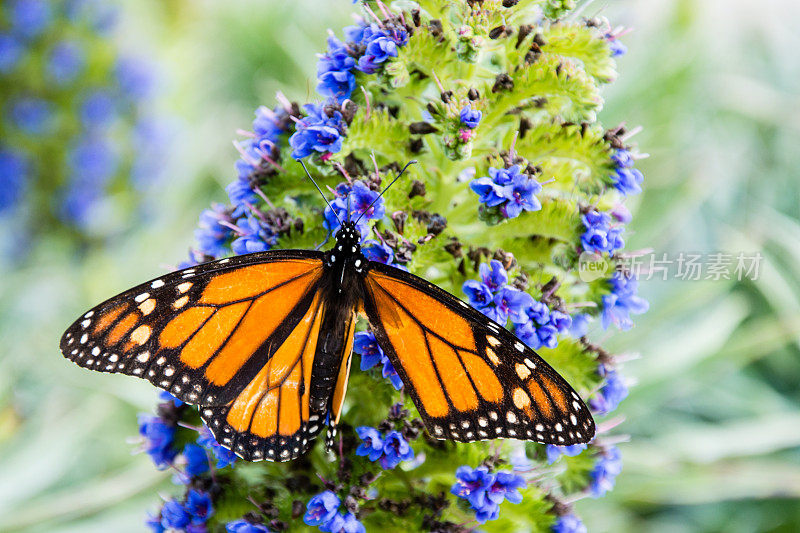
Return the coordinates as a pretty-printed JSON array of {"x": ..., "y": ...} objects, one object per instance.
[{"x": 470, "y": 378}]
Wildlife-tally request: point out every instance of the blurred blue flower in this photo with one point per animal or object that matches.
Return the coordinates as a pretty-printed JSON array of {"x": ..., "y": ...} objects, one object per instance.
[
  {"x": 379, "y": 44},
  {"x": 321, "y": 510},
  {"x": 154, "y": 523},
  {"x": 13, "y": 177},
  {"x": 493, "y": 274},
  {"x": 268, "y": 123},
  {"x": 395, "y": 450},
  {"x": 136, "y": 77},
  {"x": 472, "y": 484},
  {"x": 612, "y": 392},
  {"x": 10, "y": 52},
  {"x": 625, "y": 178},
  {"x": 485, "y": 491},
  {"x": 67, "y": 60},
  {"x": 100, "y": 15},
  {"x": 622, "y": 301},
  {"x": 335, "y": 71},
  {"x": 241, "y": 194},
  {"x": 165, "y": 396},
  {"x": 506, "y": 487},
  {"x": 615, "y": 45},
  {"x": 350, "y": 524},
  {"x": 367, "y": 347},
  {"x": 372, "y": 443},
  {"x": 580, "y": 325},
  {"x": 521, "y": 195},
  {"x": 599, "y": 236},
  {"x": 199, "y": 506},
  {"x": 196, "y": 459},
  {"x": 223, "y": 456},
  {"x": 243, "y": 526},
  {"x": 470, "y": 117},
  {"x": 479, "y": 295},
  {"x": 489, "y": 192},
  {"x": 569, "y": 523},
  {"x": 377, "y": 251},
  {"x": 174, "y": 515},
  {"x": 29, "y": 18},
  {"x": 33, "y": 116},
  {"x": 605, "y": 471},
  {"x": 98, "y": 109},
  {"x": 317, "y": 132},
  {"x": 504, "y": 176},
  {"x": 389, "y": 372},
  {"x": 554, "y": 452},
  {"x": 159, "y": 437},
  {"x": 92, "y": 162}
]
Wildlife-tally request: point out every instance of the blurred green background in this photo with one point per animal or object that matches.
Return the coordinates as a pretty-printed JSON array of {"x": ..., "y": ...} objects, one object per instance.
[{"x": 713, "y": 418}]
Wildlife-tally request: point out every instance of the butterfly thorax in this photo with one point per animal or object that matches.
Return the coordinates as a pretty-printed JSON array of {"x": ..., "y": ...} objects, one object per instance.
[{"x": 345, "y": 258}]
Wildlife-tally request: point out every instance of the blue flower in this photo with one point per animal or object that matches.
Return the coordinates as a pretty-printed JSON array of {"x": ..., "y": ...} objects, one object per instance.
[
  {"x": 560, "y": 321},
  {"x": 335, "y": 71},
  {"x": 506, "y": 486},
  {"x": 32, "y": 115},
  {"x": 504, "y": 176},
  {"x": 98, "y": 109},
  {"x": 350, "y": 524},
  {"x": 254, "y": 237},
  {"x": 470, "y": 118},
  {"x": 359, "y": 199},
  {"x": 66, "y": 62},
  {"x": 29, "y": 18},
  {"x": 376, "y": 251},
  {"x": 199, "y": 506},
  {"x": 13, "y": 177},
  {"x": 569, "y": 523},
  {"x": 627, "y": 181},
  {"x": 580, "y": 325},
  {"x": 622, "y": 301},
  {"x": 489, "y": 192},
  {"x": 511, "y": 302},
  {"x": 322, "y": 510},
  {"x": 223, "y": 456},
  {"x": 599, "y": 236},
  {"x": 101, "y": 16},
  {"x": 93, "y": 161},
  {"x": 395, "y": 450},
  {"x": 10, "y": 52},
  {"x": 241, "y": 194},
  {"x": 472, "y": 484},
  {"x": 211, "y": 235},
  {"x": 372, "y": 443},
  {"x": 317, "y": 132},
  {"x": 366, "y": 345},
  {"x": 615, "y": 45},
  {"x": 154, "y": 523},
  {"x": 135, "y": 77},
  {"x": 493, "y": 274},
  {"x": 379, "y": 45},
  {"x": 479, "y": 295},
  {"x": 159, "y": 437},
  {"x": 612, "y": 392},
  {"x": 174, "y": 515},
  {"x": 605, "y": 472},
  {"x": 538, "y": 312},
  {"x": 520, "y": 194},
  {"x": 243, "y": 526},
  {"x": 391, "y": 374},
  {"x": 196, "y": 459},
  {"x": 554, "y": 452},
  {"x": 165, "y": 396}
]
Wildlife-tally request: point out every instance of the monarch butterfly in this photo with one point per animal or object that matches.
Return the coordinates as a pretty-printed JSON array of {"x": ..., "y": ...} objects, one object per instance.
[{"x": 262, "y": 343}]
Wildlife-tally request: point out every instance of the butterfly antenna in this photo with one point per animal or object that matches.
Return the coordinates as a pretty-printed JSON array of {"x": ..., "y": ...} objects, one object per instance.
[
  {"x": 321, "y": 193},
  {"x": 412, "y": 162},
  {"x": 348, "y": 206}
]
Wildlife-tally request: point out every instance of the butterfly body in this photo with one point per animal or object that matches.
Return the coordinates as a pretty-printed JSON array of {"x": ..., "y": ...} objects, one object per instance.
[{"x": 262, "y": 344}]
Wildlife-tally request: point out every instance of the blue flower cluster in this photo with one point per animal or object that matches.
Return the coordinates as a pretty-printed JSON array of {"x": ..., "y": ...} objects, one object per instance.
[
  {"x": 323, "y": 511},
  {"x": 224, "y": 456},
  {"x": 159, "y": 436},
  {"x": 470, "y": 117},
  {"x": 605, "y": 471},
  {"x": 569, "y": 523},
  {"x": 617, "y": 48},
  {"x": 366, "y": 48},
  {"x": 611, "y": 393},
  {"x": 508, "y": 190},
  {"x": 214, "y": 231},
  {"x": 554, "y": 452},
  {"x": 600, "y": 236},
  {"x": 371, "y": 354},
  {"x": 189, "y": 516},
  {"x": 626, "y": 179},
  {"x": 390, "y": 450},
  {"x": 321, "y": 131},
  {"x": 93, "y": 157},
  {"x": 359, "y": 199},
  {"x": 485, "y": 491},
  {"x": 534, "y": 323},
  {"x": 622, "y": 301},
  {"x": 243, "y": 526},
  {"x": 13, "y": 177}
]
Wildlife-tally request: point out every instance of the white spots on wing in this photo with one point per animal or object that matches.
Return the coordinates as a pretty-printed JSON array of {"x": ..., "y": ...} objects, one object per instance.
[
  {"x": 530, "y": 364},
  {"x": 492, "y": 340},
  {"x": 463, "y": 304},
  {"x": 482, "y": 422},
  {"x": 188, "y": 273},
  {"x": 357, "y": 263},
  {"x": 498, "y": 430},
  {"x": 465, "y": 424},
  {"x": 285, "y": 453},
  {"x": 519, "y": 346},
  {"x": 85, "y": 323},
  {"x": 96, "y": 351},
  {"x": 573, "y": 419},
  {"x": 437, "y": 430},
  {"x": 482, "y": 433},
  {"x": 169, "y": 371},
  {"x": 559, "y": 427},
  {"x": 141, "y": 334},
  {"x": 90, "y": 314},
  {"x": 521, "y": 399},
  {"x": 147, "y": 306},
  {"x": 113, "y": 358},
  {"x": 157, "y": 284},
  {"x": 142, "y": 297},
  {"x": 183, "y": 287},
  {"x": 143, "y": 357},
  {"x": 493, "y": 415},
  {"x": 184, "y": 379},
  {"x": 161, "y": 360},
  {"x": 522, "y": 371},
  {"x": 511, "y": 417},
  {"x": 180, "y": 302},
  {"x": 223, "y": 261},
  {"x": 539, "y": 427},
  {"x": 137, "y": 371},
  {"x": 84, "y": 338},
  {"x": 512, "y": 432},
  {"x": 492, "y": 356}
]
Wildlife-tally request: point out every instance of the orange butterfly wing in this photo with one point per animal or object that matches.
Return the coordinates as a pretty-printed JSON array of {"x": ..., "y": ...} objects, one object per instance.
[
  {"x": 470, "y": 378},
  {"x": 236, "y": 337}
]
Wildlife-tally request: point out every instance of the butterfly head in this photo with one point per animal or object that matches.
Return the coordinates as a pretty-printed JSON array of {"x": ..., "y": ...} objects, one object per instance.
[{"x": 348, "y": 237}]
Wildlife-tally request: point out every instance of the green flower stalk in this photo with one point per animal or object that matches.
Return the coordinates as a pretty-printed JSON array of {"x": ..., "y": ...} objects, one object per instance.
[{"x": 517, "y": 187}]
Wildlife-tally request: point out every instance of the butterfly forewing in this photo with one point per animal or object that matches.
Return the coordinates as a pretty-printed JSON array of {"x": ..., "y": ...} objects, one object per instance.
[{"x": 470, "y": 378}]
